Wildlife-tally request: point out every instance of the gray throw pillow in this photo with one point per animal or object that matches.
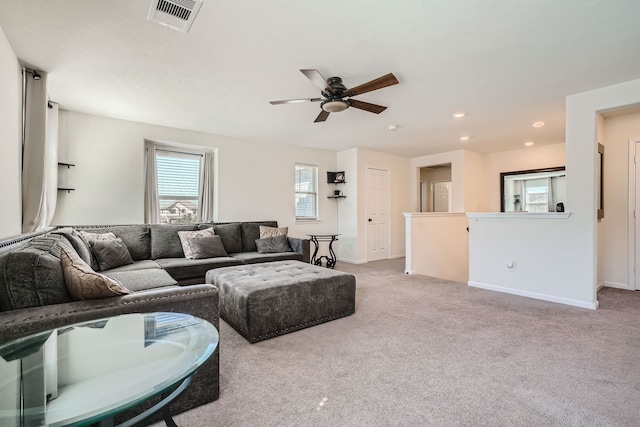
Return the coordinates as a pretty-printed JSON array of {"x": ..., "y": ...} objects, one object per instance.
[
  {"x": 206, "y": 247},
  {"x": 111, "y": 253},
  {"x": 270, "y": 245}
]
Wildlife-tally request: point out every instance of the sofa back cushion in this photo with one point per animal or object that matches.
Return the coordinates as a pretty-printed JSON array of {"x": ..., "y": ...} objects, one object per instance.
[
  {"x": 165, "y": 241},
  {"x": 32, "y": 276},
  {"x": 136, "y": 238},
  {"x": 251, "y": 232},
  {"x": 76, "y": 241},
  {"x": 231, "y": 236}
]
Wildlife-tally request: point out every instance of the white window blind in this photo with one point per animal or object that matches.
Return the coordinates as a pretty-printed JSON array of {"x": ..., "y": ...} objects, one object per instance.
[
  {"x": 179, "y": 177},
  {"x": 306, "y": 192}
]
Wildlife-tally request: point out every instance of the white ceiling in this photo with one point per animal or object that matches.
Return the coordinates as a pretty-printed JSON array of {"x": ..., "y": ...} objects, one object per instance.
[{"x": 506, "y": 63}]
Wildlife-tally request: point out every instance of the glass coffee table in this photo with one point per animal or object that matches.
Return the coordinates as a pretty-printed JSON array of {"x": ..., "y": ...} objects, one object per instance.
[{"x": 89, "y": 372}]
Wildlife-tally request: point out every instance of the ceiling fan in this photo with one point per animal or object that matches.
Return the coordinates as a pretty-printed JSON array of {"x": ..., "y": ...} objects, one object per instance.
[{"x": 336, "y": 97}]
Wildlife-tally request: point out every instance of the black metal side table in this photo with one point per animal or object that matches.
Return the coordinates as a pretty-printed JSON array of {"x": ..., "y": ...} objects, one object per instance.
[{"x": 330, "y": 260}]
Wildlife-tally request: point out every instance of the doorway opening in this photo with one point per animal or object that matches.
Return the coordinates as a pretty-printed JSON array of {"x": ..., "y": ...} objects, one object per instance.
[{"x": 435, "y": 188}]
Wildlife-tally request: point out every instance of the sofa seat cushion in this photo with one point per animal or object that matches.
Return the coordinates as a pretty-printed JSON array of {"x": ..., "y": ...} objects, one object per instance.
[
  {"x": 32, "y": 276},
  {"x": 255, "y": 257},
  {"x": 137, "y": 265},
  {"x": 182, "y": 268},
  {"x": 140, "y": 280}
]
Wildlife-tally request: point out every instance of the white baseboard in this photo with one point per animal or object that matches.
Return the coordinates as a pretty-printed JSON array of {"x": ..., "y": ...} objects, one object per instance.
[
  {"x": 409, "y": 271},
  {"x": 396, "y": 256},
  {"x": 353, "y": 261},
  {"x": 616, "y": 285},
  {"x": 535, "y": 295}
]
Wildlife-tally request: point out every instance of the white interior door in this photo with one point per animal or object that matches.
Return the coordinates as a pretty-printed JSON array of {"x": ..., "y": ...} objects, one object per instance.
[
  {"x": 441, "y": 198},
  {"x": 377, "y": 214}
]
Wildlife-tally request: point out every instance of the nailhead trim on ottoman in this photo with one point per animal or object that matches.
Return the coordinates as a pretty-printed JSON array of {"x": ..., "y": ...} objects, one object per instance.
[{"x": 262, "y": 301}]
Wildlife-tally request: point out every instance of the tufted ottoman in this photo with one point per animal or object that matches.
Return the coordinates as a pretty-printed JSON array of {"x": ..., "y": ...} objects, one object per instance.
[{"x": 262, "y": 301}]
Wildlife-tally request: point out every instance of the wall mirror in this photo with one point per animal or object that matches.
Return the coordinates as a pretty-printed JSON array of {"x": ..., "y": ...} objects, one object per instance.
[{"x": 533, "y": 190}]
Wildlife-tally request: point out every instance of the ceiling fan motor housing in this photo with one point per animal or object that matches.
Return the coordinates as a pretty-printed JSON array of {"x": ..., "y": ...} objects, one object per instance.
[
  {"x": 334, "y": 102},
  {"x": 336, "y": 85}
]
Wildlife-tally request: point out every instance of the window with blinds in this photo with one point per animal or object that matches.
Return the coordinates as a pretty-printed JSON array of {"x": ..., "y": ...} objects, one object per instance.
[
  {"x": 179, "y": 177},
  {"x": 306, "y": 192}
]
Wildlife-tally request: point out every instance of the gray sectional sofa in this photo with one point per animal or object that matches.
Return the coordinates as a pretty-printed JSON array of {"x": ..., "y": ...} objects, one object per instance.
[{"x": 33, "y": 296}]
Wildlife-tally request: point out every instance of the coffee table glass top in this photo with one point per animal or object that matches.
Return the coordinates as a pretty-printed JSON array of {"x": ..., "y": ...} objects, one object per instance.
[{"x": 88, "y": 371}]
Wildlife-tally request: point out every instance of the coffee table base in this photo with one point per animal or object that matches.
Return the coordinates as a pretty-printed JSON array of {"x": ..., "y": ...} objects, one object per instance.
[{"x": 162, "y": 406}]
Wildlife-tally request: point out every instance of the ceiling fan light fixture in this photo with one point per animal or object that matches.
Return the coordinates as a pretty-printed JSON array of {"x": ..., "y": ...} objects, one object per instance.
[{"x": 334, "y": 106}]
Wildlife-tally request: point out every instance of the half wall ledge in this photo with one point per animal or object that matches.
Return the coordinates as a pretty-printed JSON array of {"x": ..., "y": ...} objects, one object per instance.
[{"x": 519, "y": 215}]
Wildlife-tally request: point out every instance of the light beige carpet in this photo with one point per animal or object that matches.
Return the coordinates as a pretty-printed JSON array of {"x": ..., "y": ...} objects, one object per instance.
[{"x": 421, "y": 351}]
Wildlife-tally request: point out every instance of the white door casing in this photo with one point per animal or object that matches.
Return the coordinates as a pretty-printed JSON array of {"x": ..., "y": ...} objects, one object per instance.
[
  {"x": 377, "y": 225},
  {"x": 634, "y": 213}
]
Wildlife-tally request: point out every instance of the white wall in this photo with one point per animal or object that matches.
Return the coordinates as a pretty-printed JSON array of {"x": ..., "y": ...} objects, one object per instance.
[
  {"x": 558, "y": 255},
  {"x": 255, "y": 181},
  {"x": 353, "y": 221},
  {"x": 348, "y": 216},
  {"x": 535, "y": 157},
  {"x": 10, "y": 140},
  {"x": 582, "y": 112},
  {"x": 613, "y": 247},
  {"x": 475, "y": 191}
]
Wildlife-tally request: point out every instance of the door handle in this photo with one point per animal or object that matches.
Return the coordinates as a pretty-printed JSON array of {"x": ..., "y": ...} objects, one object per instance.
[{"x": 370, "y": 220}]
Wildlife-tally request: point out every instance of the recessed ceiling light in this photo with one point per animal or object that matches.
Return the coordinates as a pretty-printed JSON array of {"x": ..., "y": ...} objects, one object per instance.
[
  {"x": 538, "y": 124},
  {"x": 392, "y": 127},
  {"x": 459, "y": 114},
  {"x": 529, "y": 143},
  {"x": 465, "y": 138}
]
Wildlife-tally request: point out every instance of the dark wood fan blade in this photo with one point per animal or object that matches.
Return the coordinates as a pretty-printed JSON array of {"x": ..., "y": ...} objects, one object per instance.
[
  {"x": 372, "y": 108},
  {"x": 379, "y": 83},
  {"x": 295, "y": 101},
  {"x": 322, "y": 116},
  {"x": 317, "y": 79}
]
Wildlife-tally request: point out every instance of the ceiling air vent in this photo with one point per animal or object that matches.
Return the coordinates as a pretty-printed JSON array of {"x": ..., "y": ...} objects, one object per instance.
[{"x": 176, "y": 14}]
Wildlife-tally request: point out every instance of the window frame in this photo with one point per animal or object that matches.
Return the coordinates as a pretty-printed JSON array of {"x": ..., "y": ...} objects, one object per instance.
[
  {"x": 158, "y": 149},
  {"x": 313, "y": 193}
]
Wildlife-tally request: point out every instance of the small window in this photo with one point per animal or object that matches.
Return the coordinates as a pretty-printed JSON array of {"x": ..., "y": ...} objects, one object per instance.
[
  {"x": 306, "y": 192},
  {"x": 179, "y": 190}
]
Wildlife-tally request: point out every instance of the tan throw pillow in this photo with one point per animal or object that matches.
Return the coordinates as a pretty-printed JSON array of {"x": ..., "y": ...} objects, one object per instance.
[
  {"x": 272, "y": 231},
  {"x": 83, "y": 283},
  {"x": 184, "y": 239},
  {"x": 92, "y": 237}
]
